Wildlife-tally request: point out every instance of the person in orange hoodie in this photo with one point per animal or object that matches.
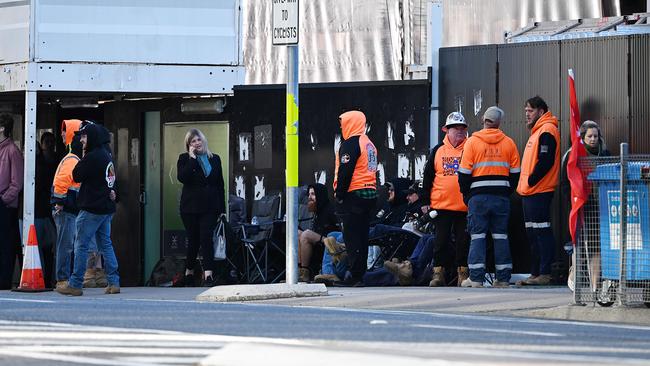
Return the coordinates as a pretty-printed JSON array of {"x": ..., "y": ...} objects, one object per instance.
[
  {"x": 63, "y": 200},
  {"x": 441, "y": 182},
  {"x": 540, "y": 169},
  {"x": 488, "y": 173},
  {"x": 355, "y": 191}
]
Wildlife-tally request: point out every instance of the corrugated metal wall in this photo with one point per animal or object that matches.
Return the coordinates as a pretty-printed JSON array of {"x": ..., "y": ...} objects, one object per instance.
[
  {"x": 601, "y": 73},
  {"x": 612, "y": 82},
  {"x": 640, "y": 98}
]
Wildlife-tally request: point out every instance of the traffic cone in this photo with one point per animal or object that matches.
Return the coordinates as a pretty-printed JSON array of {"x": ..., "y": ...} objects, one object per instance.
[{"x": 31, "y": 279}]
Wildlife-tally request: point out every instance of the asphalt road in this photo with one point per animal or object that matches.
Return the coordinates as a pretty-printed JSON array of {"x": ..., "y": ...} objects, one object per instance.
[{"x": 142, "y": 330}]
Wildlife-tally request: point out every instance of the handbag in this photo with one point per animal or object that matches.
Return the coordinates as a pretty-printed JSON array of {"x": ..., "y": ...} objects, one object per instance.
[{"x": 219, "y": 241}]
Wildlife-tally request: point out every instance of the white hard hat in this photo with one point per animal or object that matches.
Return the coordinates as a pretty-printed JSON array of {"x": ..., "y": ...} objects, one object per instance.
[{"x": 455, "y": 118}]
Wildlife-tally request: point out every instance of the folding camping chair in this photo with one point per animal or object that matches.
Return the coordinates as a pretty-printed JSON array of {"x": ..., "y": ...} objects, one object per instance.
[{"x": 260, "y": 247}]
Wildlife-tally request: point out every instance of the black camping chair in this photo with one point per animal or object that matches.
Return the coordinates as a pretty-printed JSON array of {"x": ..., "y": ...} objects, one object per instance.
[{"x": 262, "y": 251}]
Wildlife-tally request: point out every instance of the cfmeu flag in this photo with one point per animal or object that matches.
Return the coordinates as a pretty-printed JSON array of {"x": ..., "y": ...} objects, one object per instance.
[{"x": 579, "y": 189}]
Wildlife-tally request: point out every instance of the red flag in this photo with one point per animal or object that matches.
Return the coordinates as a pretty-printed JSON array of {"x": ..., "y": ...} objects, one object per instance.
[{"x": 579, "y": 187}]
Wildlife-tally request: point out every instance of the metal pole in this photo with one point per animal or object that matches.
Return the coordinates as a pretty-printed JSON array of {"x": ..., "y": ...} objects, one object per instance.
[
  {"x": 623, "y": 214},
  {"x": 29, "y": 175},
  {"x": 292, "y": 165}
]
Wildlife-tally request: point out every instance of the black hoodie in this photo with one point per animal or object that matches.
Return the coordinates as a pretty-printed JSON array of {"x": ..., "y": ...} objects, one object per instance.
[
  {"x": 324, "y": 218},
  {"x": 96, "y": 173}
]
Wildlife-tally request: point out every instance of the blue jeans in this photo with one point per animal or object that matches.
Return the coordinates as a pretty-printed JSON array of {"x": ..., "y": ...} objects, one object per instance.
[
  {"x": 537, "y": 217},
  {"x": 66, "y": 229},
  {"x": 489, "y": 213},
  {"x": 422, "y": 255},
  {"x": 90, "y": 225}
]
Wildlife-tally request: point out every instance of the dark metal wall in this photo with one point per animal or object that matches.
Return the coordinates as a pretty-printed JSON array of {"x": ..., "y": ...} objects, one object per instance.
[
  {"x": 385, "y": 103},
  {"x": 613, "y": 87},
  {"x": 640, "y": 97}
]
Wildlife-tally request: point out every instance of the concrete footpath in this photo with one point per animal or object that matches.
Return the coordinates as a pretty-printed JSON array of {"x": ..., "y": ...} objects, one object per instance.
[{"x": 544, "y": 302}]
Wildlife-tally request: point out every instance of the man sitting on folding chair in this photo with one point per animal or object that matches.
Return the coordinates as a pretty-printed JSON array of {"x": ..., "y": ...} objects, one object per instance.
[{"x": 323, "y": 222}]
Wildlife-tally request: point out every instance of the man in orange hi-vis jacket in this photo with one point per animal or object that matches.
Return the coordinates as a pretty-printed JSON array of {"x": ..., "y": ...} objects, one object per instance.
[
  {"x": 488, "y": 173},
  {"x": 441, "y": 182},
  {"x": 355, "y": 191},
  {"x": 540, "y": 168}
]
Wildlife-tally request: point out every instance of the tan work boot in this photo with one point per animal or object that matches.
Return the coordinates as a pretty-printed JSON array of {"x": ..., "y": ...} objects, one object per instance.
[
  {"x": 112, "y": 289},
  {"x": 336, "y": 250},
  {"x": 438, "y": 277},
  {"x": 500, "y": 284},
  {"x": 304, "y": 274},
  {"x": 463, "y": 274},
  {"x": 65, "y": 289},
  {"x": 89, "y": 278},
  {"x": 469, "y": 283},
  {"x": 541, "y": 280},
  {"x": 405, "y": 273},
  {"x": 326, "y": 278},
  {"x": 100, "y": 277},
  {"x": 61, "y": 284}
]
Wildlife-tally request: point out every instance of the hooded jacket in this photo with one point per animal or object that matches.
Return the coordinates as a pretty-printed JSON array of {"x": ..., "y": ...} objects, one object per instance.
[
  {"x": 96, "y": 174},
  {"x": 540, "y": 165},
  {"x": 441, "y": 178},
  {"x": 71, "y": 126},
  {"x": 324, "y": 220},
  {"x": 356, "y": 160},
  {"x": 490, "y": 164},
  {"x": 64, "y": 188}
]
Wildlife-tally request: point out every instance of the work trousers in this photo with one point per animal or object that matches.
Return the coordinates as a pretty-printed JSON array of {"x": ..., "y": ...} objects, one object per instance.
[
  {"x": 354, "y": 213},
  {"x": 446, "y": 223},
  {"x": 537, "y": 218}
]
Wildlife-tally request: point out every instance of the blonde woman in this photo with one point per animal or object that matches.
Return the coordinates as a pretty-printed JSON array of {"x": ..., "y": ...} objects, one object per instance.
[{"x": 202, "y": 201}]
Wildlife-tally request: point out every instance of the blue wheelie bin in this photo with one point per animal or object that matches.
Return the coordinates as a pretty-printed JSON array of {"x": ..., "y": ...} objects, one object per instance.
[{"x": 638, "y": 220}]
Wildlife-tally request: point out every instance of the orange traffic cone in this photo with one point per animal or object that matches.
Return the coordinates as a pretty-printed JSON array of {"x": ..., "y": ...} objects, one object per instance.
[{"x": 31, "y": 279}]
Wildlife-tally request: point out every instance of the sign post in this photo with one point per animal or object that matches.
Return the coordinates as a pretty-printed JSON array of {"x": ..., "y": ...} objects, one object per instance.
[{"x": 285, "y": 32}]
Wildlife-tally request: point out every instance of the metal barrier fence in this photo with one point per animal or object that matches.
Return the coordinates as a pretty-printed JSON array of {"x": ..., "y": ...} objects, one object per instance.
[{"x": 604, "y": 273}]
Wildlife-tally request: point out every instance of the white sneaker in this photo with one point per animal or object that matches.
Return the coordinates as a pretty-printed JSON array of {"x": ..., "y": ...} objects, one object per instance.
[{"x": 469, "y": 283}]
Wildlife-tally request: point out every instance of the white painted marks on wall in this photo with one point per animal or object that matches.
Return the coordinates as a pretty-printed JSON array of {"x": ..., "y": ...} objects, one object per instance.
[
  {"x": 478, "y": 101},
  {"x": 409, "y": 133},
  {"x": 244, "y": 147},
  {"x": 337, "y": 143},
  {"x": 458, "y": 103},
  {"x": 313, "y": 140},
  {"x": 240, "y": 187},
  {"x": 390, "y": 142},
  {"x": 403, "y": 166},
  {"x": 259, "y": 190},
  {"x": 368, "y": 127},
  {"x": 320, "y": 177},
  {"x": 420, "y": 162},
  {"x": 381, "y": 174}
]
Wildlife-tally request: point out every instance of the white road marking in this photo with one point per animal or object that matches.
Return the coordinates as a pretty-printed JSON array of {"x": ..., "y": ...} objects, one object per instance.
[
  {"x": 378, "y": 321},
  {"x": 487, "y": 330},
  {"x": 27, "y": 300}
]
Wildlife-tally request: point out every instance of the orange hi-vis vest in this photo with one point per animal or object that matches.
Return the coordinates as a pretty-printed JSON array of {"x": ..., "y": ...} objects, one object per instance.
[
  {"x": 547, "y": 123},
  {"x": 445, "y": 193},
  {"x": 63, "y": 181},
  {"x": 490, "y": 157},
  {"x": 353, "y": 123}
]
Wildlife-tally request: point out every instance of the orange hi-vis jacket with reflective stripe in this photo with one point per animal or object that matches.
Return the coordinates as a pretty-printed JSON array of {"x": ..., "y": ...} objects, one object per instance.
[
  {"x": 63, "y": 181},
  {"x": 356, "y": 160},
  {"x": 490, "y": 164},
  {"x": 547, "y": 123},
  {"x": 445, "y": 191}
]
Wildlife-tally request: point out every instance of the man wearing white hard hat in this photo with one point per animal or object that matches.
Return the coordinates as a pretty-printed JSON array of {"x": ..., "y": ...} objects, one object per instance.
[{"x": 441, "y": 182}]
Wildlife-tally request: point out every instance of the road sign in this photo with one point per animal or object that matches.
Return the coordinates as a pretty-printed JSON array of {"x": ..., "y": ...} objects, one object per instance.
[{"x": 285, "y": 22}]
